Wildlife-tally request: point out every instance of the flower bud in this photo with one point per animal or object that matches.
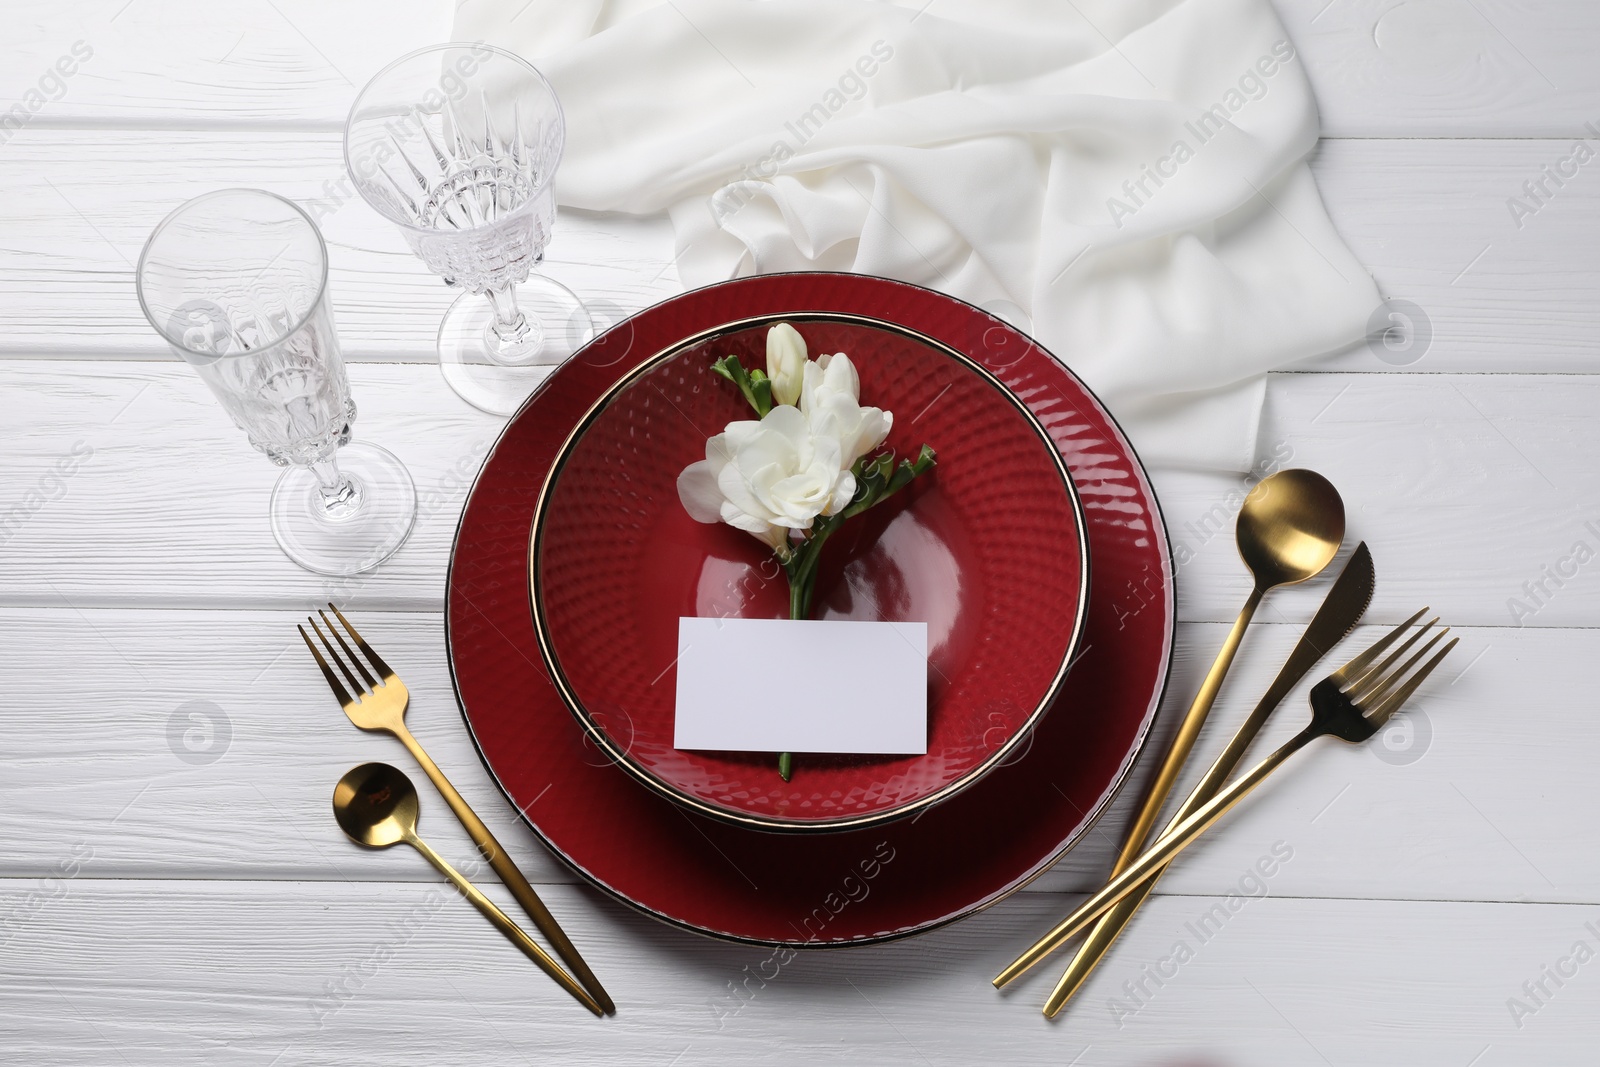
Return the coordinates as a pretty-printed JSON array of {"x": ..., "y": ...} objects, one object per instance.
[{"x": 786, "y": 362}]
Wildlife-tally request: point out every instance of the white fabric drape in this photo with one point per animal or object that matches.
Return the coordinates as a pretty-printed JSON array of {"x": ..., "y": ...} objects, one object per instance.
[{"x": 1124, "y": 178}]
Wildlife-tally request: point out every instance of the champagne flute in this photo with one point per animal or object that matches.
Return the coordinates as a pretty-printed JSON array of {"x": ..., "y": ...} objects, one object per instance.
[
  {"x": 457, "y": 145},
  {"x": 236, "y": 281}
]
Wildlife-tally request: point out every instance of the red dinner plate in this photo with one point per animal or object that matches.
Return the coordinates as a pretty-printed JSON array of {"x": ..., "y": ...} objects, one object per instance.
[
  {"x": 853, "y": 886},
  {"x": 988, "y": 549}
]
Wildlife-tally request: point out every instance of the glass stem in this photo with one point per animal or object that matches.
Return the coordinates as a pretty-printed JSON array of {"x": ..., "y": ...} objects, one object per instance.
[
  {"x": 510, "y": 324},
  {"x": 336, "y": 491}
]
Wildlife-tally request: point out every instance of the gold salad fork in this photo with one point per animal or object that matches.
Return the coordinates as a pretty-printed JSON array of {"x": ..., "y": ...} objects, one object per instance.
[
  {"x": 1351, "y": 704},
  {"x": 380, "y": 705}
]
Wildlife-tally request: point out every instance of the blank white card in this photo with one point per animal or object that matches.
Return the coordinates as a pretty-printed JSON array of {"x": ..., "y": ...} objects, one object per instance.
[{"x": 776, "y": 685}]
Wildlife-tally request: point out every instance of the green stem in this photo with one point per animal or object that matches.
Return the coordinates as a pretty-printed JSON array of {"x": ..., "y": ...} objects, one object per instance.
[
  {"x": 877, "y": 480},
  {"x": 799, "y": 600},
  {"x": 801, "y": 569}
]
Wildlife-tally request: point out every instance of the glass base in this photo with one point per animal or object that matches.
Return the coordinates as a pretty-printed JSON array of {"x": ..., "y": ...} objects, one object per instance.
[
  {"x": 352, "y": 535},
  {"x": 497, "y": 376}
]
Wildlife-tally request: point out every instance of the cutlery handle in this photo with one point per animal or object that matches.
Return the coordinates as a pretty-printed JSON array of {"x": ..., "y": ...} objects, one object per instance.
[
  {"x": 1111, "y": 924},
  {"x": 504, "y": 924},
  {"x": 500, "y": 860},
  {"x": 1169, "y": 845},
  {"x": 1097, "y": 944},
  {"x": 1188, "y": 733},
  {"x": 1150, "y": 808}
]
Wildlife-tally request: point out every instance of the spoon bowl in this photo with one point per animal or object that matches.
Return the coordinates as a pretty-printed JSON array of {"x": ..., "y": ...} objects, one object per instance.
[
  {"x": 1290, "y": 527},
  {"x": 376, "y": 805}
]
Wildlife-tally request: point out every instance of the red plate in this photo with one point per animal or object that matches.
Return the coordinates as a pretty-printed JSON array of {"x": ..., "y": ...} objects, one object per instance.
[
  {"x": 988, "y": 550},
  {"x": 820, "y": 889}
]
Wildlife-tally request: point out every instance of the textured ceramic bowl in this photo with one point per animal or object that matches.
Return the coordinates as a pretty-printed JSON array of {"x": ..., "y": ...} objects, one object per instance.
[{"x": 989, "y": 550}]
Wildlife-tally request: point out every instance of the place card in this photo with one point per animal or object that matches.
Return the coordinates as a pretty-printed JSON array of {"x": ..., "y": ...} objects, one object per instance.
[{"x": 780, "y": 685}]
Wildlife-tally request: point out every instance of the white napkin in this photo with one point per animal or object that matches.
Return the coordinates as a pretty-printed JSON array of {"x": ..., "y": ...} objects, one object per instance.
[{"x": 1123, "y": 178}]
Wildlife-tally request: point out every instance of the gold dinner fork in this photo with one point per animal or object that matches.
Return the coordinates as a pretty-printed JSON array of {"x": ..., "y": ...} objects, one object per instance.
[
  {"x": 1351, "y": 704},
  {"x": 380, "y": 705}
]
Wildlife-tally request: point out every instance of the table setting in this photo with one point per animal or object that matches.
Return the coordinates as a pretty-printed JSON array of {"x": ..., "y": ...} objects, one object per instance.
[
  {"x": 997, "y": 558},
  {"x": 865, "y": 641}
]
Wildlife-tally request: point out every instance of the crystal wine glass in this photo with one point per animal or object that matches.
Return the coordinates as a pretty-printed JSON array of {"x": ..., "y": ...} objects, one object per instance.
[
  {"x": 458, "y": 145},
  {"x": 236, "y": 281}
]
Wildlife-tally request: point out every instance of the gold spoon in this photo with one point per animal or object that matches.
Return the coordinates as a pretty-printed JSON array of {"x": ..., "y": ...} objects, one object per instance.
[
  {"x": 377, "y": 806},
  {"x": 1290, "y": 528}
]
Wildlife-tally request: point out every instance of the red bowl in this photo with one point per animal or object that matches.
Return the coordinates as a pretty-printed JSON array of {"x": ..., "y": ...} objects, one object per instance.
[{"x": 989, "y": 550}]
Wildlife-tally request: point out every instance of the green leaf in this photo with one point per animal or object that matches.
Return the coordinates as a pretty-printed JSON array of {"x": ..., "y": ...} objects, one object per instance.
[
  {"x": 760, "y": 393},
  {"x": 877, "y": 479},
  {"x": 755, "y": 386}
]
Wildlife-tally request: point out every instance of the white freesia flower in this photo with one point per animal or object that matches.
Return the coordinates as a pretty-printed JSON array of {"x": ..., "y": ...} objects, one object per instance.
[
  {"x": 786, "y": 362},
  {"x": 830, "y": 398},
  {"x": 768, "y": 477},
  {"x": 774, "y": 477}
]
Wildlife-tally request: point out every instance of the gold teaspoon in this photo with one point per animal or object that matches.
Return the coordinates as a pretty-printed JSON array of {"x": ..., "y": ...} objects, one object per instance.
[{"x": 376, "y": 805}]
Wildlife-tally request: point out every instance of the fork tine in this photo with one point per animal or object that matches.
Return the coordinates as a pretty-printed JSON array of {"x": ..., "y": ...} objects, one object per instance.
[
  {"x": 335, "y": 657},
  {"x": 1380, "y": 714},
  {"x": 1359, "y": 664},
  {"x": 366, "y": 649},
  {"x": 327, "y": 671},
  {"x": 1378, "y": 690},
  {"x": 361, "y": 668},
  {"x": 1362, "y": 688}
]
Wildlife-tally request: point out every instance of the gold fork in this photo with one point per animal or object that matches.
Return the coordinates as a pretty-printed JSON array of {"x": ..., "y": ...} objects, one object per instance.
[
  {"x": 380, "y": 705},
  {"x": 1351, "y": 704}
]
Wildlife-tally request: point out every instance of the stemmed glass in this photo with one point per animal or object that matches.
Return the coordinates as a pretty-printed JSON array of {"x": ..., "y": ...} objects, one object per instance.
[
  {"x": 236, "y": 281},
  {"x": 458, "y": 145}
]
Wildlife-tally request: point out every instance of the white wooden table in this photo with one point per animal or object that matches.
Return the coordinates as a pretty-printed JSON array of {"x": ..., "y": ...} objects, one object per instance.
[{"x": 171, "y": 900}]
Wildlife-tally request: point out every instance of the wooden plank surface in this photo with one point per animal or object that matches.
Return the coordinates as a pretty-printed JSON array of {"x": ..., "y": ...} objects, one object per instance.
[
  {"x": 1496, "y": 292},
  {"x": 1448, "y": 68},
  {"x": 83, "y": 205},
  {"x": 188, "y": 64},
  {"x": 1467, "y": 486},
  {"x": 1461, "y": 68},
  {"x": 406, "y": 974},
  {"x": 141, "y": 730}
]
